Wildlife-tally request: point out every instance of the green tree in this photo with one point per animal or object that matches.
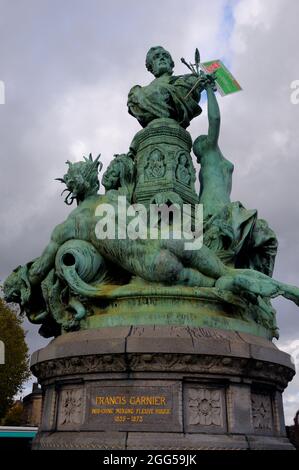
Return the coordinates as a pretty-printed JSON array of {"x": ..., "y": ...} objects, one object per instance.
[
  {"x": 16, "y": 368},
  {"x": 14, "y": 415}
]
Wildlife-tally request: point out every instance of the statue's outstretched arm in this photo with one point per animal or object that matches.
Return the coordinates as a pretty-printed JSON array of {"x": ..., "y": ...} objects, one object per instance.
[
  {"x": 213, "y": 116},
  {"x": 45, "y": 262}
]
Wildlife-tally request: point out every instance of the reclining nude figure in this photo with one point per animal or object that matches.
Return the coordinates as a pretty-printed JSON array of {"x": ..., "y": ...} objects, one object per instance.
[{"x": 164, "y": 261}]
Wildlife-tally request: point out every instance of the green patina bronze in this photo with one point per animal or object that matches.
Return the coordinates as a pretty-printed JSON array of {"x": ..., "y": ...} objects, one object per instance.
[
  {"x": 82, "y": 281},
  {"x": 167, "y": 96}
]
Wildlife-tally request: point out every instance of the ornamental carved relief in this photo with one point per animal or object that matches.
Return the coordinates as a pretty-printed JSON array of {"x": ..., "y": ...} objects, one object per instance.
[
  {"x": 155, "y": 167},
  {"x": 183, "y": 171},
  {"x": 173, "y": 362},
  {"x": 70, "y": 409},
  {"x": 159, "y": 362},
  {"x": 261, "y": 412},
  {"x": 205, "y": 407},
  {"x": 78, "y": 365}
]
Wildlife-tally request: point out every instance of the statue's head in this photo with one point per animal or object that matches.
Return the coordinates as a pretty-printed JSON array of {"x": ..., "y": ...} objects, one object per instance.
[
  {"x": 120, "y": 172},
  {"x": 16, "y": 287},
  {"x": 81, "y": 179},
  {"x": 159, "y": 61},
  {"x": 200, "y": 145},
  {"x": 155, "y": 156},
  {"x": 182, "y": 159}
]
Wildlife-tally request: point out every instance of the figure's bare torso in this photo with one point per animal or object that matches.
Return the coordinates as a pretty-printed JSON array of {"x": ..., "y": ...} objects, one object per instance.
[{"x": 216, "y": 173}]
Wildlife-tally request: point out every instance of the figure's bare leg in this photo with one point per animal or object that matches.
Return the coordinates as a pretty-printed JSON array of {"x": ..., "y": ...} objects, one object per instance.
[
  {"x": 43, "y": 264},
  {"x": 167, "y": 267},
  {"x": 203, "y": 260},
  {"x": 191, "y": 277},
  {"x": 257, "y": 283}
]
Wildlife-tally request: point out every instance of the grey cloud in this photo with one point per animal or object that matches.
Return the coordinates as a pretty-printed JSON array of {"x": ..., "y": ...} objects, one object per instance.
[{"x": 68, "y": 67}]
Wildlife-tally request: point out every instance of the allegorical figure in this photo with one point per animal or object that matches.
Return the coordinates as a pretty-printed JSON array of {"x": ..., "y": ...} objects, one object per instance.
[
  {"x": 233, "y": 232},
  {"x": 167, "y": 96},
  {"x": 183, "y": 172},
  {"x": 78, "y": 259},
  {"x": 216, "y": 171},
  {"x": 155, "y": 167}
]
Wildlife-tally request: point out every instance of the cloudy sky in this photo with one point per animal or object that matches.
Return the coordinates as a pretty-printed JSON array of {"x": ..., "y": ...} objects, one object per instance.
[{"x": 67, "y": 69}]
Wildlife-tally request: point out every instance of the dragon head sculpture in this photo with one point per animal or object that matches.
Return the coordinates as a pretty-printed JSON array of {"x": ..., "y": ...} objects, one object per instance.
[{"x": 81, "y": 179}]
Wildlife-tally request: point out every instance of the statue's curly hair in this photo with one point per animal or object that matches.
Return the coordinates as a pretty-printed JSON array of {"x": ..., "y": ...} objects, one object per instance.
[
  {"x": 126, "y": 169},
  {"x": 149, "y": 57}
]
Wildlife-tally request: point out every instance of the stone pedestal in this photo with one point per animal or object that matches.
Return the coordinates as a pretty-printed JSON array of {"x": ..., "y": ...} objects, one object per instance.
[
  {"x": 164, "y": 163},
  {"x": 163, "y": 388}
]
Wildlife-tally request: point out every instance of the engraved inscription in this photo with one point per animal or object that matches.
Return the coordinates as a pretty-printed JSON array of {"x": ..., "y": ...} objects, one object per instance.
[{"x": 133, "y": 407}]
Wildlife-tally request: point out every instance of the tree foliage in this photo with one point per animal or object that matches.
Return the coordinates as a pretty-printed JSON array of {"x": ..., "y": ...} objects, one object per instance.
[
  {"x": 14, "y": 415},
  {"x": 16, "y": 368}
]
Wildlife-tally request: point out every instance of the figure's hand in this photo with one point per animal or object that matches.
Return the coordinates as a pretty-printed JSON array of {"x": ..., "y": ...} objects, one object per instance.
[
  {"x": 206, "y": 80},
  {"x": 210, "y": 81},
  {"x": 201, "y": 81}
]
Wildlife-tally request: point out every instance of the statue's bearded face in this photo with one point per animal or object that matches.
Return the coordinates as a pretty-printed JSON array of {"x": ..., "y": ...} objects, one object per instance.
[
  {"x": 161, "y": 62},
  {"x": 111, "y": 176}
]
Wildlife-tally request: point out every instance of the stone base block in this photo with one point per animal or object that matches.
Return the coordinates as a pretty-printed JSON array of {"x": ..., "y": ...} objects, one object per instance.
[{"x": 162, "y": 388}]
